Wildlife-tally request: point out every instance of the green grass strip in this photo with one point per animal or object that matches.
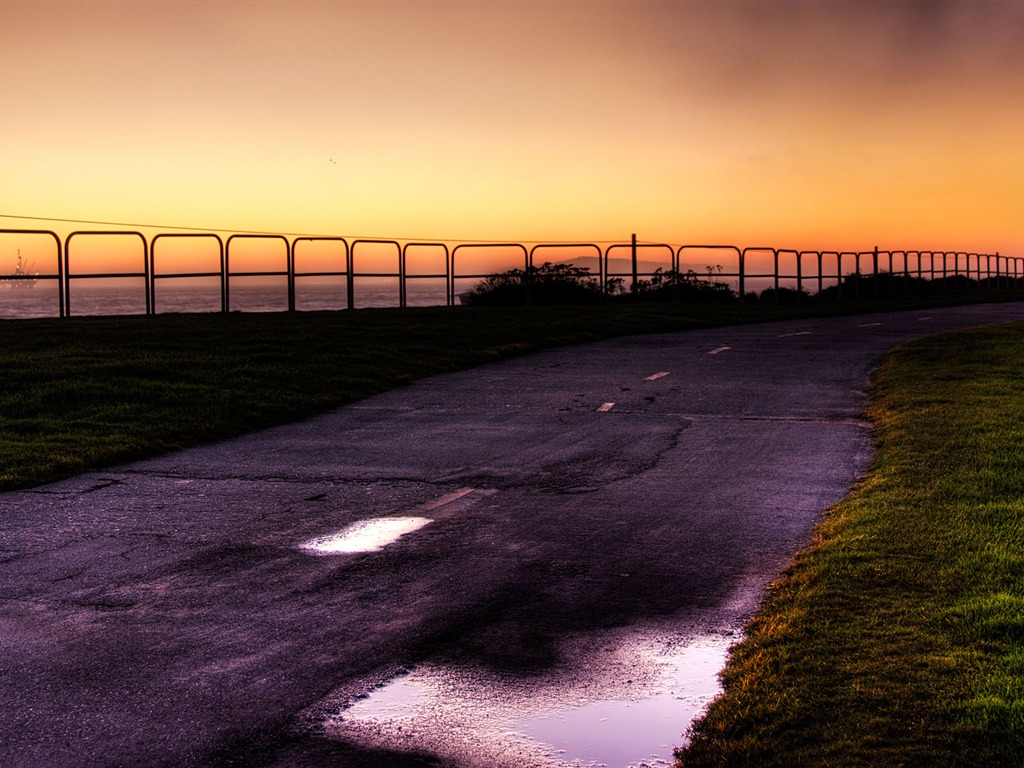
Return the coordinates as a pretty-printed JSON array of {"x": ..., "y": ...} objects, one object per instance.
[{"x": 897, "y": 638}]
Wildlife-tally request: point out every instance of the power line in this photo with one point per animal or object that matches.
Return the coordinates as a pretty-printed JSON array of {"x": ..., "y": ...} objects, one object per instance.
[
  {"x": 424, "y": 240},
  {"x": 137, "y": 225}
]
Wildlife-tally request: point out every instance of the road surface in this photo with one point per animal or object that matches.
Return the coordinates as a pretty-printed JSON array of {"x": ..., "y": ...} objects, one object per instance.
[{"x": 165, "y": 613}]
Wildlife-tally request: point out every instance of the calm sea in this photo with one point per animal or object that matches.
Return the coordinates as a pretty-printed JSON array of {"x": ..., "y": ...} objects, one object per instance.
[{"x": 129, "y": 298}]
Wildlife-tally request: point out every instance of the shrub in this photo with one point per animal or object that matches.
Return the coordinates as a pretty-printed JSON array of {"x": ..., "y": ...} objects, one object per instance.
[
  {"x": 567, "y": 284},
  {"x": 544, "y": 285}
]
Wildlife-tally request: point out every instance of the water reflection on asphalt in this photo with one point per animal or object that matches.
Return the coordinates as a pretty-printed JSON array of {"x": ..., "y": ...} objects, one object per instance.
[
  {"x": 624, "y": 732},
  {"x": 627, "y": 707},
  {"x": 366, "y": 535}
]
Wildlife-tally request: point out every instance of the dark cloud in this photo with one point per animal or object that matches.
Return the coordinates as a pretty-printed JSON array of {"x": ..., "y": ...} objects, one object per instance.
[{"x": 861, "y": 50}]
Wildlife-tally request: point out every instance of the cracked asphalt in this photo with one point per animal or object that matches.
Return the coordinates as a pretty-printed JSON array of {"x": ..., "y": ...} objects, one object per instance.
[{"x": 164, "y": 613}]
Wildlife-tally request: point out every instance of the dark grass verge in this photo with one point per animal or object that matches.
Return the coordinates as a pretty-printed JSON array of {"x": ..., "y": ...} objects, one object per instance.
[
  {"x": 897, "y": 638},
  {"x": 84, "y": 393}
]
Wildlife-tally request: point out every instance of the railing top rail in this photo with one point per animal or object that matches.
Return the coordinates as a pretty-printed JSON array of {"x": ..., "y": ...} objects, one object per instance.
[
  {"x": 49, "y": 232},
  {"x": 423, "y": 244},
  {"x": 107, "y": 232},
  {"x": 214, "y": 235},
  {"x": 711, "y": 246},
  {"x": 233, "y": 238},
  {"x": 461, "y": 246},
  {"x": 376, "y": 241},
  {"x": 638, "y": 246},
  {"x": 317, "y": 238}
]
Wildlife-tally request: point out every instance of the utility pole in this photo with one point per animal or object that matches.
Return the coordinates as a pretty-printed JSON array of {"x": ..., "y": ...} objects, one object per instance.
[
  {"x": 874, "y": 270},
  {"x": 635, "y": 276}
]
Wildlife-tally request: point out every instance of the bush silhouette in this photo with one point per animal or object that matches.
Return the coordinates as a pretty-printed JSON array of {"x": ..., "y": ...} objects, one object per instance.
[
  {"x": 544, "y": 285},
  {"x": 551, "y": 284}
]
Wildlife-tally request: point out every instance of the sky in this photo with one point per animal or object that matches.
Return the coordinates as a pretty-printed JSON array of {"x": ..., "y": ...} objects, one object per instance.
[{"x": 817, "y": 125}]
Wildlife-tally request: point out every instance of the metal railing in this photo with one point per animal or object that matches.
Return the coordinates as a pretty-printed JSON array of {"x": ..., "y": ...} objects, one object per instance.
[{"x": 892, "y": 271}]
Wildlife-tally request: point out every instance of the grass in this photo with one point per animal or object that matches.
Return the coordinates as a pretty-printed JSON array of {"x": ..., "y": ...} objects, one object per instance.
[
  {"x": 897, "y": 638},
  {"x": 84, "y": 393}
]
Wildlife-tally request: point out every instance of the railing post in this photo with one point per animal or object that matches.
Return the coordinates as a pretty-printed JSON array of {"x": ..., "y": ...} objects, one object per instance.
[
  {"x": 743, "y": 287},
  {"x": 839, "y": 275},
  {"x": 401, "y": 278},
  {"x": 149, "y": 275},
  {"x": 636, "y": 278},
  {"x": 350, "y": 278},
  {"x": 775, "y": 269},
  {"x": 874, "y": 271},
  {"x": 291, "y": 275},
  {"x": 225, "y": 284}
]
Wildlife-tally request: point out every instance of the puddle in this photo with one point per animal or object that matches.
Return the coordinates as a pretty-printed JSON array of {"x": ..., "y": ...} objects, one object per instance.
[
  {"x": 366, "y": 535},
  {"x": 626, "y": 706},
  {"x": 402, "y": 697},
  {"x": 620, "y": 733}
]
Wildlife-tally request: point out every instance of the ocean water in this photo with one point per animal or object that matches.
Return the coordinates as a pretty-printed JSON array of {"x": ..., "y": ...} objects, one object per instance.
[{"x": 127, "y": 297}]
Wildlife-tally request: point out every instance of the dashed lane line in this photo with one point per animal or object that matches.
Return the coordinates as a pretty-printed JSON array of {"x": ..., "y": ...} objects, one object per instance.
[
  {"x": 798, "y": 333},
  {"x": 606, "y": 407},
  {"x": 448, "y": 498},
  {"x": 655, "y": 376},
  {"x": 719, "y": 350}
]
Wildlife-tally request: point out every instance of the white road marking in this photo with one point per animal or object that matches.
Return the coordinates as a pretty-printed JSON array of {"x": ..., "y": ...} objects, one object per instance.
[
  {"x": 798, "y": 333},
  {"x": 868, "y": 325},
  {"x": 606, "y": 407},
  {"x": 448, "y": 498},
  {"x": 657, "y": 375},
  {"x": 925, "y": 318},
  {"x": 720, "y": 349}
]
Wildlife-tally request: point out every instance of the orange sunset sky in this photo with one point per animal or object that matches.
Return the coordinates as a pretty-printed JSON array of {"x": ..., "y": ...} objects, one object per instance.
[{"x": 793, "y": 124}]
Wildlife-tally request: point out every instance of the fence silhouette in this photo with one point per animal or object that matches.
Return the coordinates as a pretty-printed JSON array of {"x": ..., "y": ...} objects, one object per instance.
[{"x": 800, "y": 270}]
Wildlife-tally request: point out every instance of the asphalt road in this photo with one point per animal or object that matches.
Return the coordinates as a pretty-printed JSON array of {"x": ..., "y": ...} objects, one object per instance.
[{"x": 164, "y": 613}]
